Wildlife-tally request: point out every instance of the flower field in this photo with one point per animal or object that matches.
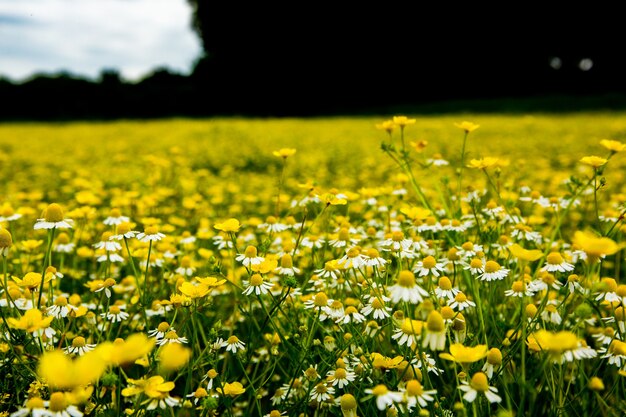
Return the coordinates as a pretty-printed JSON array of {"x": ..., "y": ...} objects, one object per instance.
[{"x": 329, "y": 267}]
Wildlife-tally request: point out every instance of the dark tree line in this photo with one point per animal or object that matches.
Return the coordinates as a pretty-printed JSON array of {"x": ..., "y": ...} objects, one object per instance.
[{"x": 277, "y": 59}]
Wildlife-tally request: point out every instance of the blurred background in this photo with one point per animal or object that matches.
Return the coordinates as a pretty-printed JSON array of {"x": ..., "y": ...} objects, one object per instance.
[{"x": 104, "y": 59}]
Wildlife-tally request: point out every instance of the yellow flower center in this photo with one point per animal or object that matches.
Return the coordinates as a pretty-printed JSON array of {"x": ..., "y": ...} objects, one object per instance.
[
  {"x": 115, "y": 310},
  {"x": 286, "y": 261},
  {"x": 60, "y": 301},
  {"x": 274, "y": 413},
  {"x": 35, "y": 402},
  {"x": 429, "y": 262},
  {"x": 467, "y": 246},
  {"x": 185, "y": 262},
  {"x": 434, "y": 323},
  {"x": 492, "y": 266},
  {"x": 232, "y": 340},
  {"x": 310, "y": 373},
  {"x": 412, "y": 326},
  {"x": 344, "y": 234},
  {"x": 105, "y": 236},
  {"x": 476, "y": 263},
  {"x": 406, "y": 279},
  {"x": 554, "y": 258},
  {"x": 123, "y": 228},
  {"x": 171, "y": 335},
  {"x": 115, "y": 212},
  {"x": 348, "y": 402},
  {"x": 5, "y": 239},
  {"x": 518, "y": 286},
  {"x": 377, "y": 304},
  {"x": 379, "y": 390},
  {"x": 336, "y": 305},
  {"x": 340, "y": 373},
  {"x": 256, "y": 280},
  {"x": 414, "y": 388},
  {"x": 57, "y": 402},
  {"x": 397, "y": 236},
  {"x": 163, "y": 327},
  {"x": 494, "y": 356},
  {"x": 479, "y": 382},
  {"x": 354, "y": 252},
  {"x": 445, "y": 283},
  {"x": 460, "y": 297},
  {"x": 617, "y": 348},
  {"x": 212, "y": 373},
  {"x": 531, "y": 310},
  {"x": 447, "y": 313},
  {"x": 621, "y": 290},
  {"x": 78, "y": 342},
  {"x": 609, "y": 284},
  {"x": 54, "y": 213},
  {"x": 320, "y": 300},
  {"x": 151, "y": 230},
  {"x": 250, "y": 252}
]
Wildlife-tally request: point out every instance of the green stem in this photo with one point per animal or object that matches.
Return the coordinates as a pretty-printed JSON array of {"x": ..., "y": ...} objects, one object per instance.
[
  {"x": 46, "y": 260},
  {"x": 460, "y": 174}
]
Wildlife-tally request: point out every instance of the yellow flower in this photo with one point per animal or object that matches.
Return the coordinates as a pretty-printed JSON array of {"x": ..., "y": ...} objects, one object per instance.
[
  {"x": 230, "y": 225},
  {"x": 387, "y": 126},
  {"x": 594, "y": 161},
  {"x": 419, "y": 146},
  {"x": 332, "y": 200},
  {"x": 122, "y": 352},
  {"x": 31, "y": 321},
  {"x": 173, "y": 356},
  {"x": 194, "y": 291},
  {"x": 61, "y": 372},
  {"x": 416, "y": 213},
  {"x": 266, "y": 266},
  {"x": 284, "y": 152},
  {"x": 210, "y": 281},
  {"x": 525, "y": 254},
  {"x": 467, "y": 126},
  {"x": 403, "y": 121},
  {"x": 31, "y": 245},
  {"x": 380, "y": 361},
  {"x": 595, "y": 247},
  {"x": 232, "y": 390},
  {"x": 462, "y": 354},
  {"x": 31, "y": 280},
  {"x": 483, "y": 163},
  {"x": 613, "y": 145},
  {"x": 555, "y": 343},
  {"x": 154, "y": 387}
]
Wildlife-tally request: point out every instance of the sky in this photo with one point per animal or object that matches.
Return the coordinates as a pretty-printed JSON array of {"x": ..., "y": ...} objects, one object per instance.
[{"x": 86, "y": 36}]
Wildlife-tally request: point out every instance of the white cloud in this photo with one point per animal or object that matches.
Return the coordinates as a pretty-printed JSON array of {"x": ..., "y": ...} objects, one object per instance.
[{"x": 85, "y": 36}]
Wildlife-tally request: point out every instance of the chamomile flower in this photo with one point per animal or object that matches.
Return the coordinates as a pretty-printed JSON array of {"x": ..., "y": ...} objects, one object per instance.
[
  {"x": 373, "y": 258},
  {"x": 331, "y": 270},
  {"x": 59, "y": 406},
  {"x": 115, "y": 218},
  {"x": 476, "y": 266},
  {"x": 171, "y": 337},
  {"x": 53, "y": 218},
  {"x": 435, "y": 337},
  {"x": 353, "y": 259},
  {"x": 550, "y": 313},
  {"x": 461, "y": 302},
  {"x": 377, "y": 308},
  {"x": 64, "y": 244},
  {"x": 150, "y": 233},
  {"x": 79, "y": 346},
  {"x": 321, "y": 392},
  {"x": 286, "y": 266},
  {"x": 556, "y": 263},
  {"x": 272, "y": 225},
  {"x": 406, "y": 289},
  {"x": 430, "y": 266},
  {"x": 198, "y": 395},
  {"x": 615, "y": 353},
  {"x": 445, "y": 289},
  {"x": 494, "y": 360},
  {"x": 493, "y": 272},
  {"x": 519, "y": 289},
  {"x": 124, "y": 231},
  {"x": 257, "y": 285},
  {"x": 249, "y": 257},
  {"x": 233, "y": 344},
  {"x": 210, "y": 376},
  {"x": 350, "y": 315},
  {"x": 384, "y": 397},
  {"x": 479, "y": 384},
  {"x": 116, "y": 314},
  {"x": 340, "y": 377},
  {"x": 61, "y": 308},
  {"x": 414, "y": 394},
  {"x": 408, "y": 332}
]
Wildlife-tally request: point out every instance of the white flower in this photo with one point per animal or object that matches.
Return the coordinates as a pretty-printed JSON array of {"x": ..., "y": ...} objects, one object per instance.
[
  {"x": 478, "y": 384},
  {"x": 384, "y": 397},
  {"x": 232, "y": 344},
  {"x": 151, "y": 233}
]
